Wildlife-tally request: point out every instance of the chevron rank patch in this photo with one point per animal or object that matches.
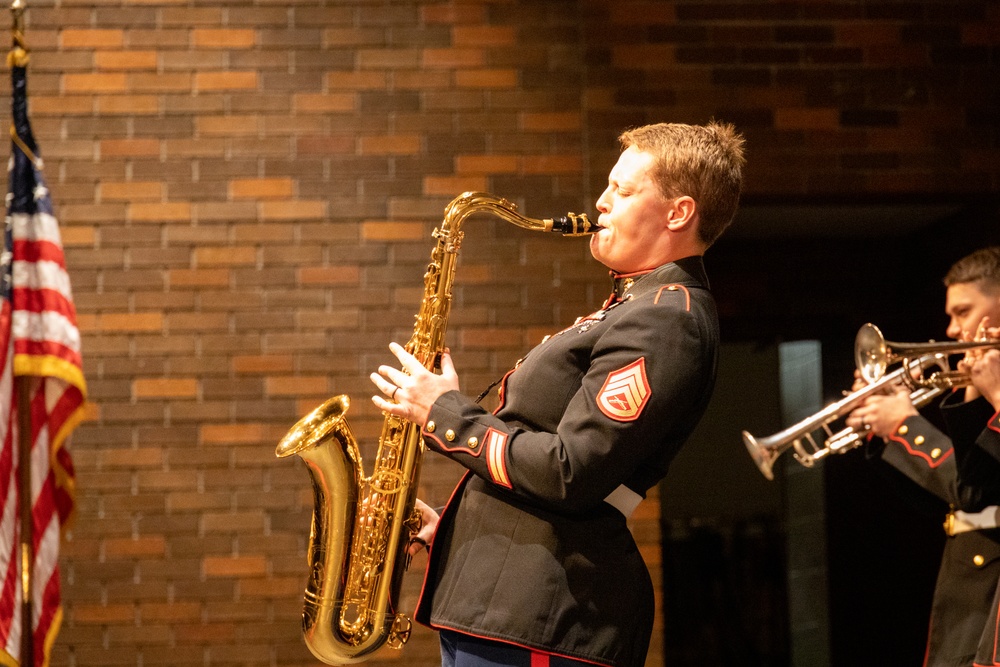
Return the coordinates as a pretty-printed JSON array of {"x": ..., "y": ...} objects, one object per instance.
[{"x": 625, "y": 392}]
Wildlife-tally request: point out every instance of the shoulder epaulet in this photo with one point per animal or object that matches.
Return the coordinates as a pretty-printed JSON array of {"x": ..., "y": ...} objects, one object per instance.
[{"x": 675, "y": 288}]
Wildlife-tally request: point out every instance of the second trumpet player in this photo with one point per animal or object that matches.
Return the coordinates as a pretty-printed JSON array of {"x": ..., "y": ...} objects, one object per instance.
[{"x": 953, "y": 466}]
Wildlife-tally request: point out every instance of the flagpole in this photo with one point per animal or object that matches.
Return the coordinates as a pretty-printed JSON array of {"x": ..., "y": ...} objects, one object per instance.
[
  {"x": 27, "y": 521},
  {"x": 18, "y": 57}
]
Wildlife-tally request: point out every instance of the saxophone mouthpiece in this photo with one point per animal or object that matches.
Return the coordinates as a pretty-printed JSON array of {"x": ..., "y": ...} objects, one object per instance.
[{"x": 573, "y": 224}]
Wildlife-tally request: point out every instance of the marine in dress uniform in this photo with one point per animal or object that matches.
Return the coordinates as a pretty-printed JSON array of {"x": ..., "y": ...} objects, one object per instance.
[
  {"x": 958, "y": 472},
  {"x": 956, "y": 466},
  {"x": 535, "y": 539},
  {"x": 532, "y": 562},
  {"x": 985, "y": 375}
]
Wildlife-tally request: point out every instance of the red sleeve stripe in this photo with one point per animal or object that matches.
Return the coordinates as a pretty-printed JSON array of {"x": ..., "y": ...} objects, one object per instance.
[
  {"x": 496, "y": 457},
  {"x": 931, "y": 463}
]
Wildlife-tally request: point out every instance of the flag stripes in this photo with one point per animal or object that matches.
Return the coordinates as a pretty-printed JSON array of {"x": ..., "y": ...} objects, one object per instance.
[{"x": 40, "y": 353}]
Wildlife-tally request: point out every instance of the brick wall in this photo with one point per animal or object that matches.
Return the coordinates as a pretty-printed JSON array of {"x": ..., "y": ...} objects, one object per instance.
[
  {"x": 247, "y": 189},
  {"x": 893, "y": 99}
]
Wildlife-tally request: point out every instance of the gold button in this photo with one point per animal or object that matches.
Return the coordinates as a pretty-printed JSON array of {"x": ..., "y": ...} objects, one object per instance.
[
  {"x": 449, "y": 435},
  {"x": 430, "y": 427},
  {"x": 978, "y": 560},
  {"x": 903, "y": 429},
  {"x": 473, "y": 442},
  {"x": 919, "y": 440},
  {"x": 936, "y": 452}
]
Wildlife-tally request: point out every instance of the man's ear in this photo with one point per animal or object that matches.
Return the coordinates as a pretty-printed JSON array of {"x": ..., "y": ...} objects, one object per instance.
[{"x": 682, "y": 213}]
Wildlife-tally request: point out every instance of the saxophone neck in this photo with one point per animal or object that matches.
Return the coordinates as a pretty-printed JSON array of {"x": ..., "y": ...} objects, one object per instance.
[{"x": 468, "y": 203}]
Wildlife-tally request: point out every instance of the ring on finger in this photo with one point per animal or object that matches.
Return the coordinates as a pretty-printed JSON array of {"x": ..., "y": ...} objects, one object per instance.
[{"x": 393, "y": 396}]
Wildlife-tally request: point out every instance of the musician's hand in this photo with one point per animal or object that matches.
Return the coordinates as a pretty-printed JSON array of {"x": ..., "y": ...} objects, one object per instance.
[
  {"x": 985, "y": 375},
  {"x": 983, "y": 332},
  {"x": 859, "y": 383},
  {"x": 880, "y": 414},
  {"x": 413, "y": 390},
  {"x": 429, "y": 520}
]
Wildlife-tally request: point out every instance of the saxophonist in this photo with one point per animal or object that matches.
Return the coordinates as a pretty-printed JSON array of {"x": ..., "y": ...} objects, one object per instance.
[{"x": 531, "y": 562}]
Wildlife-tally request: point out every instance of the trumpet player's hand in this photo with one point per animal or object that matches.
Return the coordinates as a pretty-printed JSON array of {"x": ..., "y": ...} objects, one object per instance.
[
  {"x": 429, "y": 520},
  {"x": 983, "y": 332},
  {"x": 985, "y": 375},
  {"x": 880, "y": 414},
  {"x": 412, "y": 391},
  {"x": 859, "y": 383}
]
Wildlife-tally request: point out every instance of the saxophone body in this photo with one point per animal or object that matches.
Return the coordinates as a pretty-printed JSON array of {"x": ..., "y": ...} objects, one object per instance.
[{"x": 361, "y": 526}]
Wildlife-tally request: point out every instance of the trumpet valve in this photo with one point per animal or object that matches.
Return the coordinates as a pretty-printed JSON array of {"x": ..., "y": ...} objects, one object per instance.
[{"x": 846, "y": 439}]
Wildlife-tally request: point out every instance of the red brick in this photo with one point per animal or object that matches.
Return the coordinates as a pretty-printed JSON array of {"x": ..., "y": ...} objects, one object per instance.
[
  {"x": 125, "y": 60},
  {"x": 75, "y": 38},
  {"x": 261, "y": 188},
  {"x": 94, "y": 83},
  {"x": 165, "y": 388},
  {"x": 487, "y": 164},
  {"x": 483, "y": 35},
  {"x": 223, "y": 38},
  {"x": 207, "y": 81},
  {"x": 455, "y": 57},
  {"x": 129, "y": 147}
]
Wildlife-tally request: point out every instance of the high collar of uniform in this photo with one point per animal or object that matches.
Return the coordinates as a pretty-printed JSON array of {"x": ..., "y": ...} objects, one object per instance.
[{"x": 689, "y": 271}]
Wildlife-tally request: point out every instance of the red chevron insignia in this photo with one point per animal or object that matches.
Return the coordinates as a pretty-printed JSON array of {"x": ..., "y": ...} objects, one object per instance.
[{"x": 625, "y": 392}]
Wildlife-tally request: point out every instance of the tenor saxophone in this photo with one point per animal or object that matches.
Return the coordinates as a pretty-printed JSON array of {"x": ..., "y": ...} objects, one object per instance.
[{"x": 361, "y": 526}]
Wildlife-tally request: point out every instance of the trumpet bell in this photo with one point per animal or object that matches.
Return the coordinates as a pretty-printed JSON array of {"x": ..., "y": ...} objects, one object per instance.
[
  {"x": 764, "y": 457},
  {"x": 871, "y": 353}
]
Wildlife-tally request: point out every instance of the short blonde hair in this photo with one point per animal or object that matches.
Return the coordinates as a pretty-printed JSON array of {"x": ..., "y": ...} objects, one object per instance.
[{"x": 704, "y": 162}]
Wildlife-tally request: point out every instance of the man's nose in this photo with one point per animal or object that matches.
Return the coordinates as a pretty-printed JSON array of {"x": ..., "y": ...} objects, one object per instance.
[
  {"x": 602, "y": 202},
  {"x": 954, "y": 329}
]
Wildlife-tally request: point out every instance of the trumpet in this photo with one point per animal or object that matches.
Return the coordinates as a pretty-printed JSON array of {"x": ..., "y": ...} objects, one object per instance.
[
  {"x": 924, "y": 371},
  {"x": 873, "y": 354},
  {"x": 804, "y": 437}
]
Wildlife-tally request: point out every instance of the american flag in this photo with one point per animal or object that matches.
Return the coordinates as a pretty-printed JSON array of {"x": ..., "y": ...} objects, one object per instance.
[{"x": 39, "y": 346}]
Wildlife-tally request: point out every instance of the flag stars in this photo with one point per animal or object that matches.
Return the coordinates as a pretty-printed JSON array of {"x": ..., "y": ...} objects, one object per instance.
[{"x": 40, "y": 191}]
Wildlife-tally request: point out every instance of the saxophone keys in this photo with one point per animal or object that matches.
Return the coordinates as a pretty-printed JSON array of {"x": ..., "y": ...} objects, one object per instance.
[{"x": 400, "y": 632}]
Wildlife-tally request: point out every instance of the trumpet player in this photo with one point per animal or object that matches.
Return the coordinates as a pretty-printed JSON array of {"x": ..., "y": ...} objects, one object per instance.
[
  {"x": 951, "y": 466},
  {"x": 532, "y": 562},
  {"x": 984, "y": 370}
]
